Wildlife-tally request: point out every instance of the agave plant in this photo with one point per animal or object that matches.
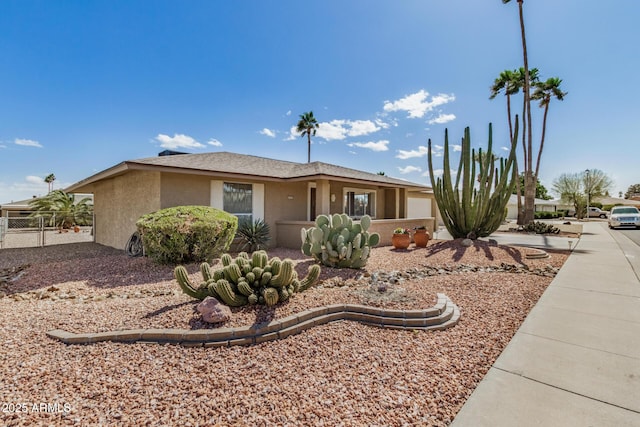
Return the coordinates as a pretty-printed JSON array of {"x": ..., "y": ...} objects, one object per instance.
[{"x": 253, "y": 235}]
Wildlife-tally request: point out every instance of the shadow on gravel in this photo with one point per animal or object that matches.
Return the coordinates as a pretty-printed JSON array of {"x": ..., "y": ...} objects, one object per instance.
[
  {"x": 458, "y": 250},
  {"x": 166, "y": 308},
  {"x": 99, "y": 266}
]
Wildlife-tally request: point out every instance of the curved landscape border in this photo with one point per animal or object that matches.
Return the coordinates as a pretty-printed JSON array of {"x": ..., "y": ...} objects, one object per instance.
[{"x": 443, "y": 315}]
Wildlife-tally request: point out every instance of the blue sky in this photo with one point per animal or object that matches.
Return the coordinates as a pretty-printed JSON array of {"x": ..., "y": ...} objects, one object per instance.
[{"x": 85, "y": 85}]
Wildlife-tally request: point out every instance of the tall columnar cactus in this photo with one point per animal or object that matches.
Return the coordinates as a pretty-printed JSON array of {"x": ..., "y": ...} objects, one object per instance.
[
  {"x": 336, "y": 241},
  {"x": 248, "y": 280},
  {"x": 476, "y": 205}
]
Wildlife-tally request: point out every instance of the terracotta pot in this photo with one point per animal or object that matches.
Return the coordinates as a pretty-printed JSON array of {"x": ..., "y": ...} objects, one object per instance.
[
  {"x": 421, "y": 237},
  {"x": 401, "y": 241}
]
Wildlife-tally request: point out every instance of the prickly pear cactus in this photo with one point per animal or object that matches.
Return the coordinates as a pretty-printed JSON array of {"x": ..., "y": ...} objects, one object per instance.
[
  {"x": 248, "y": 280},
  {"x": 336, "y": 241}
]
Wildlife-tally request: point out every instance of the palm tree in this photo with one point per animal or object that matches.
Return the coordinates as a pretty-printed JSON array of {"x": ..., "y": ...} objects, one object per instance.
[
  {"x": 60, "y": 209},
  {"x": 529, "y": 188},
  {"x": 49, "y": 180},
  {"x": 307, "y": 125},
  {"x": 544, "y": 92},
  {"x": 507, "y": 81},
  {"x": 512, "y": 82}
]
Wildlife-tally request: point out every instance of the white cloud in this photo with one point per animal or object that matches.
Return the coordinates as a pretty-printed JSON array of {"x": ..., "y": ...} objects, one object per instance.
[
  {"x": 332, "y": 130},
  {"x": 457, "y": 147},
  {"x": 418, "y": 104},
  {"x": 505, "y": 148},
  {"x": 3, "y": 146},
  {"x": 382, "y": 124},
  {"x": 438, "y": 173},
  {"x": 292, "y": 134},
  {"x": 268, "y": 132},
  {"x": 27, "y": 142},
  {"x": 381, "y": 145},
  {"x": 341, "y": 129},
  {"x": 214, "y": 142},
  {"x": 409, "y": 169},
  {"x": 32, "y": 179},
  {"x": 178, "y": 140},
  {"x": 442, "y": 118},
  {"x": 288, "y": 113},
  {"x": 410, "y": 154}
]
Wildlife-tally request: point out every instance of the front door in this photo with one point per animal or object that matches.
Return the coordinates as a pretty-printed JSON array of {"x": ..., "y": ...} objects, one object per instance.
[{"x": 312, "y": 204}]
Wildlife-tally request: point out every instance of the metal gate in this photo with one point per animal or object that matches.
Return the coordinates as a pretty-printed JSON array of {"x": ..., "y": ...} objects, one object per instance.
[{"x": 25, "y": 231}]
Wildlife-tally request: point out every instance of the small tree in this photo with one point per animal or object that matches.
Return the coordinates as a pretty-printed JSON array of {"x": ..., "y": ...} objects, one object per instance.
[
  {"x": 577, "y": 188},
  {"x": 569, "y": 187},
  {"x": 541, "y": 190},
  {"x": 633, "y": 190},
  {"x": 596, "y": 183}
]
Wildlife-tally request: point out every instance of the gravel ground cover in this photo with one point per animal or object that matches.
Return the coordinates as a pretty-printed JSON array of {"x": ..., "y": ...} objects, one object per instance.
[{"x": 339, "y": 374}]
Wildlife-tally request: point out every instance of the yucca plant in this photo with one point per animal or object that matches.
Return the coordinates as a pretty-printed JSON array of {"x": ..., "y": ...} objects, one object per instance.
[{"x": 253, "y": 235}]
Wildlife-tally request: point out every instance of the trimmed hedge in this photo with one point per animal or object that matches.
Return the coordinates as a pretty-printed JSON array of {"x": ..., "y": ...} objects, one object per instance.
[{"x": 185, "y": 234}]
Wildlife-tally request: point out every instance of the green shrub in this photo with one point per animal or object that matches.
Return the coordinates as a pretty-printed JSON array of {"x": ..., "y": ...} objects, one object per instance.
[
  {"x": 186, "y": 234},
  {"x": 609, "y": 207}
]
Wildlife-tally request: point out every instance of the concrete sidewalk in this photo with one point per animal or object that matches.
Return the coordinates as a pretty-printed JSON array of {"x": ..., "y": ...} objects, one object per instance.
[{"x": 575, "y": 361}]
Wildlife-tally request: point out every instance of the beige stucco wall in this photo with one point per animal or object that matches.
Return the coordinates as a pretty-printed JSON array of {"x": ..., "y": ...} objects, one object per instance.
[
  {"x": 184, "y": 190},
  {"x": 120, "y": 201}
]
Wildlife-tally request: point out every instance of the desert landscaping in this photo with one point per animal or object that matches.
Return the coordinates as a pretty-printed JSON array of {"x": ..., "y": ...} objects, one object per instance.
[{"x": 342, "y": 373}]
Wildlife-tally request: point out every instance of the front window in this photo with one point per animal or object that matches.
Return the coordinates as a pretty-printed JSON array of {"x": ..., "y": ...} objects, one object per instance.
[
  {"x": 237, "y": 200},
  {"x": 359, "y": 203}
]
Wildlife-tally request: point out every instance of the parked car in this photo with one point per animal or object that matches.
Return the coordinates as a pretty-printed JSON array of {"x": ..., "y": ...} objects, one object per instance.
[
  {"x": 593, "y": 212},
  {"x": 624, "y": 216},
  {"x": 597, "y": 213}
]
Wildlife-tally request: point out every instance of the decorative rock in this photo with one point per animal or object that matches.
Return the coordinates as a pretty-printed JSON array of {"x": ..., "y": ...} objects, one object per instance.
[
  {"x": 212, "y": 311},
  {"x": 467, "y": 242}
]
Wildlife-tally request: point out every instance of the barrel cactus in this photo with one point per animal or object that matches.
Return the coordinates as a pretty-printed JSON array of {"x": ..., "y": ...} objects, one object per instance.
[
  {"x": 336, "y": 241},
  {"x": 248, "y": 280}
]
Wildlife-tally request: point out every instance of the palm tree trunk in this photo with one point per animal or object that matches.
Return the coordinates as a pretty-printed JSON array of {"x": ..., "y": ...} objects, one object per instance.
[
  {"x": 515, "y": 166},
  {"x": 529, "y": 183},
  {"x": 544, "y": 130},
  {"x": 308, "y": 147}
]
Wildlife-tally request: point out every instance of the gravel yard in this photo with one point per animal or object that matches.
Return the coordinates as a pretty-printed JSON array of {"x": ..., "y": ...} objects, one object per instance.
[{"x": 339, "y": 374}]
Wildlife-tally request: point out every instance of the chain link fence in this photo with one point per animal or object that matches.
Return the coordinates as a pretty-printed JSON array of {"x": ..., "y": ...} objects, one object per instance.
[{"x": 22, "y": 231}]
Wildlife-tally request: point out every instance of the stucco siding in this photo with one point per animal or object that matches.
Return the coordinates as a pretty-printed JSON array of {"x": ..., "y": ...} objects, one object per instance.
[
  {"x": 284, "y": 201},
  {"x": 184, "y": 190},
  {"x": 120, "y": 201}
]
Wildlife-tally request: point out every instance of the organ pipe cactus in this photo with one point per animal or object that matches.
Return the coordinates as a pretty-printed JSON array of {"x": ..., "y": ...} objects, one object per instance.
[
  {"x": 476, "y": 205},
  {"x": 336, "y": 241},
  {"x": 248, "y": 280}
]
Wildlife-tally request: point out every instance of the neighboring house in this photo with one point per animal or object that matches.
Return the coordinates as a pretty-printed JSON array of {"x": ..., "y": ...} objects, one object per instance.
[
  {"x": 16, "y": 209},
  {"x": 286, "y": 195},
  {"x": 539, "y": 205},
  {"x": 617, "y": 201},
  {"x": 24, "y": 209}
]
